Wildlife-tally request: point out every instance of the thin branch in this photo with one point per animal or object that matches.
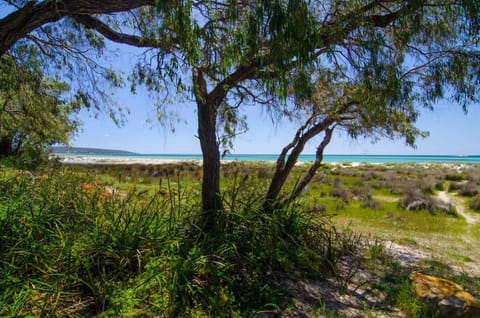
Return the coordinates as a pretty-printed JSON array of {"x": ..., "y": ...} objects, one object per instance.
[
  {"x": 34, "y": 14},
  {"x": 93, "y": 23}
]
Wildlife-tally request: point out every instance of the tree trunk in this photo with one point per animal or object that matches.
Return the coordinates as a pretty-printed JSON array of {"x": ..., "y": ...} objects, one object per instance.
[
  {"x": 211, "y": 198},
  {"x": 279, "y": 178},
  {"x": 313, "y": 168},
  {"x": 284, "y": 166}
]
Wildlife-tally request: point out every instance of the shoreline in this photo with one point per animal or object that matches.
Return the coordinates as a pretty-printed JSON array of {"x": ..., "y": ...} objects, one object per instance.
[
  {"x": 94, "y": 160},
  {"x": 332, "y": 159},
  {"x": 123, "y": 161}
]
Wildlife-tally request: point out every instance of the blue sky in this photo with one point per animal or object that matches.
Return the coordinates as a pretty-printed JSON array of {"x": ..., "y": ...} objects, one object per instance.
[{"x": 452, "y": 132}]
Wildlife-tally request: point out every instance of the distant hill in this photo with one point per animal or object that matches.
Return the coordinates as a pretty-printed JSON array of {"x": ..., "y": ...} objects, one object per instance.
[{"x": 90, "y": 151}]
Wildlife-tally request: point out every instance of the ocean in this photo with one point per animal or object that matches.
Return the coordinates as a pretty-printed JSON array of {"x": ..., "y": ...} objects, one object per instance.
[{"x": 303, "y": 158}]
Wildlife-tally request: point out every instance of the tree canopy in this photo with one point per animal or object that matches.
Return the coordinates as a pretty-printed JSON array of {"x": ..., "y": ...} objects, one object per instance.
[{"x": 33, "y": 111}]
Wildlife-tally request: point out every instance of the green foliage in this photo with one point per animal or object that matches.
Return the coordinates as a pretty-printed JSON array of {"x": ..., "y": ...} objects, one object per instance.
[
  {"x": 93, "y": 243},
  {"x": 384, "y": 71},
  {"x": 33, "y": 113},
  {"x": 68, "y": 252}
]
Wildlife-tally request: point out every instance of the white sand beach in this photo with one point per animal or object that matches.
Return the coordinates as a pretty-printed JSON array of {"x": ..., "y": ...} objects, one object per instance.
[
  {"x": 122, "y": 160},
  {"x": 87, "y": 159},
  {"x": 158, "y": 161}
]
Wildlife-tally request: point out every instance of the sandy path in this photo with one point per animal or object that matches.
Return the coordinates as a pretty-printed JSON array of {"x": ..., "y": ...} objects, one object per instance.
[{"x": 459, "y": 205}]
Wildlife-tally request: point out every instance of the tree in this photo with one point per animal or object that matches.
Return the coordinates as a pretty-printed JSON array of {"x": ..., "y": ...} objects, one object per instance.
[
  {"x": 242, "y": 51},
  {"x": 253, "y": 51},
  {"x": 413, "y": 62},
  {"x": 33, "y": 113},
  {"x": 339, "y": 103}
]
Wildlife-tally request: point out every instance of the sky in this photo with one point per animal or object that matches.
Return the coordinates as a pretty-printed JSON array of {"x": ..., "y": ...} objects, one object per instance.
[{"x": 452, "y": 132}]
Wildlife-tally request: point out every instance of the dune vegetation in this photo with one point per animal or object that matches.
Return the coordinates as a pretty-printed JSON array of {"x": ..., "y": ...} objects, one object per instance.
[
  {"x": 237, "y": 239},
  {"x": 122, "y": 240}
]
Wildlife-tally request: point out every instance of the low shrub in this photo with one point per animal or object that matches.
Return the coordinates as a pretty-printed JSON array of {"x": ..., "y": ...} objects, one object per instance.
[
  {"x": 440, "y": 186},
  {"x": 455, "y": 177},
  {"x": 469, "y": 189},
  {"x": 427, "y": 187},
  {"x": 361, "y": 193},
  {"x": 454, "y": 186},
  {"x": 66, "y": 253},
  {"x": 371, "y": 204},
  {"x": 340, "y": 193},
  {"x": 417, "y": 201},
  {"x": 475, "y": 203}
]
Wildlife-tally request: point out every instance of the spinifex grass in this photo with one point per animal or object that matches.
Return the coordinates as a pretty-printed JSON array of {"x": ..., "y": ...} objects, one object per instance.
[
  {"x": 68, "y": 252},
  {"x": 62, "y": 249}
]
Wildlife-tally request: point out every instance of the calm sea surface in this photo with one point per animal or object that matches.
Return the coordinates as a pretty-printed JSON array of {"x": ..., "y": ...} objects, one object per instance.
[{"x": 327, "y": 158}]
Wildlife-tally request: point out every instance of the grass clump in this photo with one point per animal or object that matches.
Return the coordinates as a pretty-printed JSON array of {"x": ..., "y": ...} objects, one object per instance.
[{"x": 67, "y": 253}]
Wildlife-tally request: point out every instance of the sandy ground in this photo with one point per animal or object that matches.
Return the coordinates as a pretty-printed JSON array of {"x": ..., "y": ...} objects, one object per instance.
[
  {"x": 113, "y": 160},
  {"x": 459, "y": 204},
  {"x": 154, "y": 161}
]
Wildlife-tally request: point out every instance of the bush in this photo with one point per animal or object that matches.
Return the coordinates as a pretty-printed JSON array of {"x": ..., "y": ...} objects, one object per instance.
[
  {"x": 371, "y": 203},
  {"x": 68, "y": 253},
  {"x": 60, "y": 243},
  {"x": 475, "y": 203},
  {"x": 361, "y": 193},
  {"x": 454, "y": 186},
  {"x": 454, "y": 177},
  {"x": 469, "y": 189},
  {"x": 340, "y": 193},
  {"x": 416, "y": 201},
  {"x": 440, "y": 186}
]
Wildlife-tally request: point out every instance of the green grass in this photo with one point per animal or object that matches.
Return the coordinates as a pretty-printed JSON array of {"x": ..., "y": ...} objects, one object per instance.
[{"x": 67, "y": 253}]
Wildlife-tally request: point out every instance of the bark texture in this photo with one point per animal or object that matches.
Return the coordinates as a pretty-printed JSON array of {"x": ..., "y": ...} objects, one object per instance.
[
  {"x": 207, "y": 113},
  {"x": 289, "y": 157}
]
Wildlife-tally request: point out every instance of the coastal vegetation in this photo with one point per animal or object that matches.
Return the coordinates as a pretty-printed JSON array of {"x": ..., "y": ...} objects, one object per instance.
[
  {"x": 33, "y": 112},
  {"x": 215, "y": 240},
  {"x": 68, "y": 250},
  {"x": 365, "y": 67}
]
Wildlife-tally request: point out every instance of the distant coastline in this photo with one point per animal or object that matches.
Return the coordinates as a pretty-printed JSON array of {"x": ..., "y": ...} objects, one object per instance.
[
  {"x": 89, "y": 151},
  {"x": 94, "y": 155}
]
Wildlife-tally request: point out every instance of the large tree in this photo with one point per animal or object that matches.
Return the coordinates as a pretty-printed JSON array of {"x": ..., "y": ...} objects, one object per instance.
[
  {"x": 254, "y": 51},
  {"x": 225, "y": 53}
]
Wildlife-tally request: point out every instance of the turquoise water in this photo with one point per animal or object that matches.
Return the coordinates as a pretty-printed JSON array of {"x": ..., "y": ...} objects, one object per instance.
[{"x": 327, "y": 158}]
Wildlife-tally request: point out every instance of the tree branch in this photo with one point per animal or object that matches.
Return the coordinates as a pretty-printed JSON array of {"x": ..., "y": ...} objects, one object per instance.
[
  {"x": 37, "y": 13},
  {"x": 93, "y": 23}
]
